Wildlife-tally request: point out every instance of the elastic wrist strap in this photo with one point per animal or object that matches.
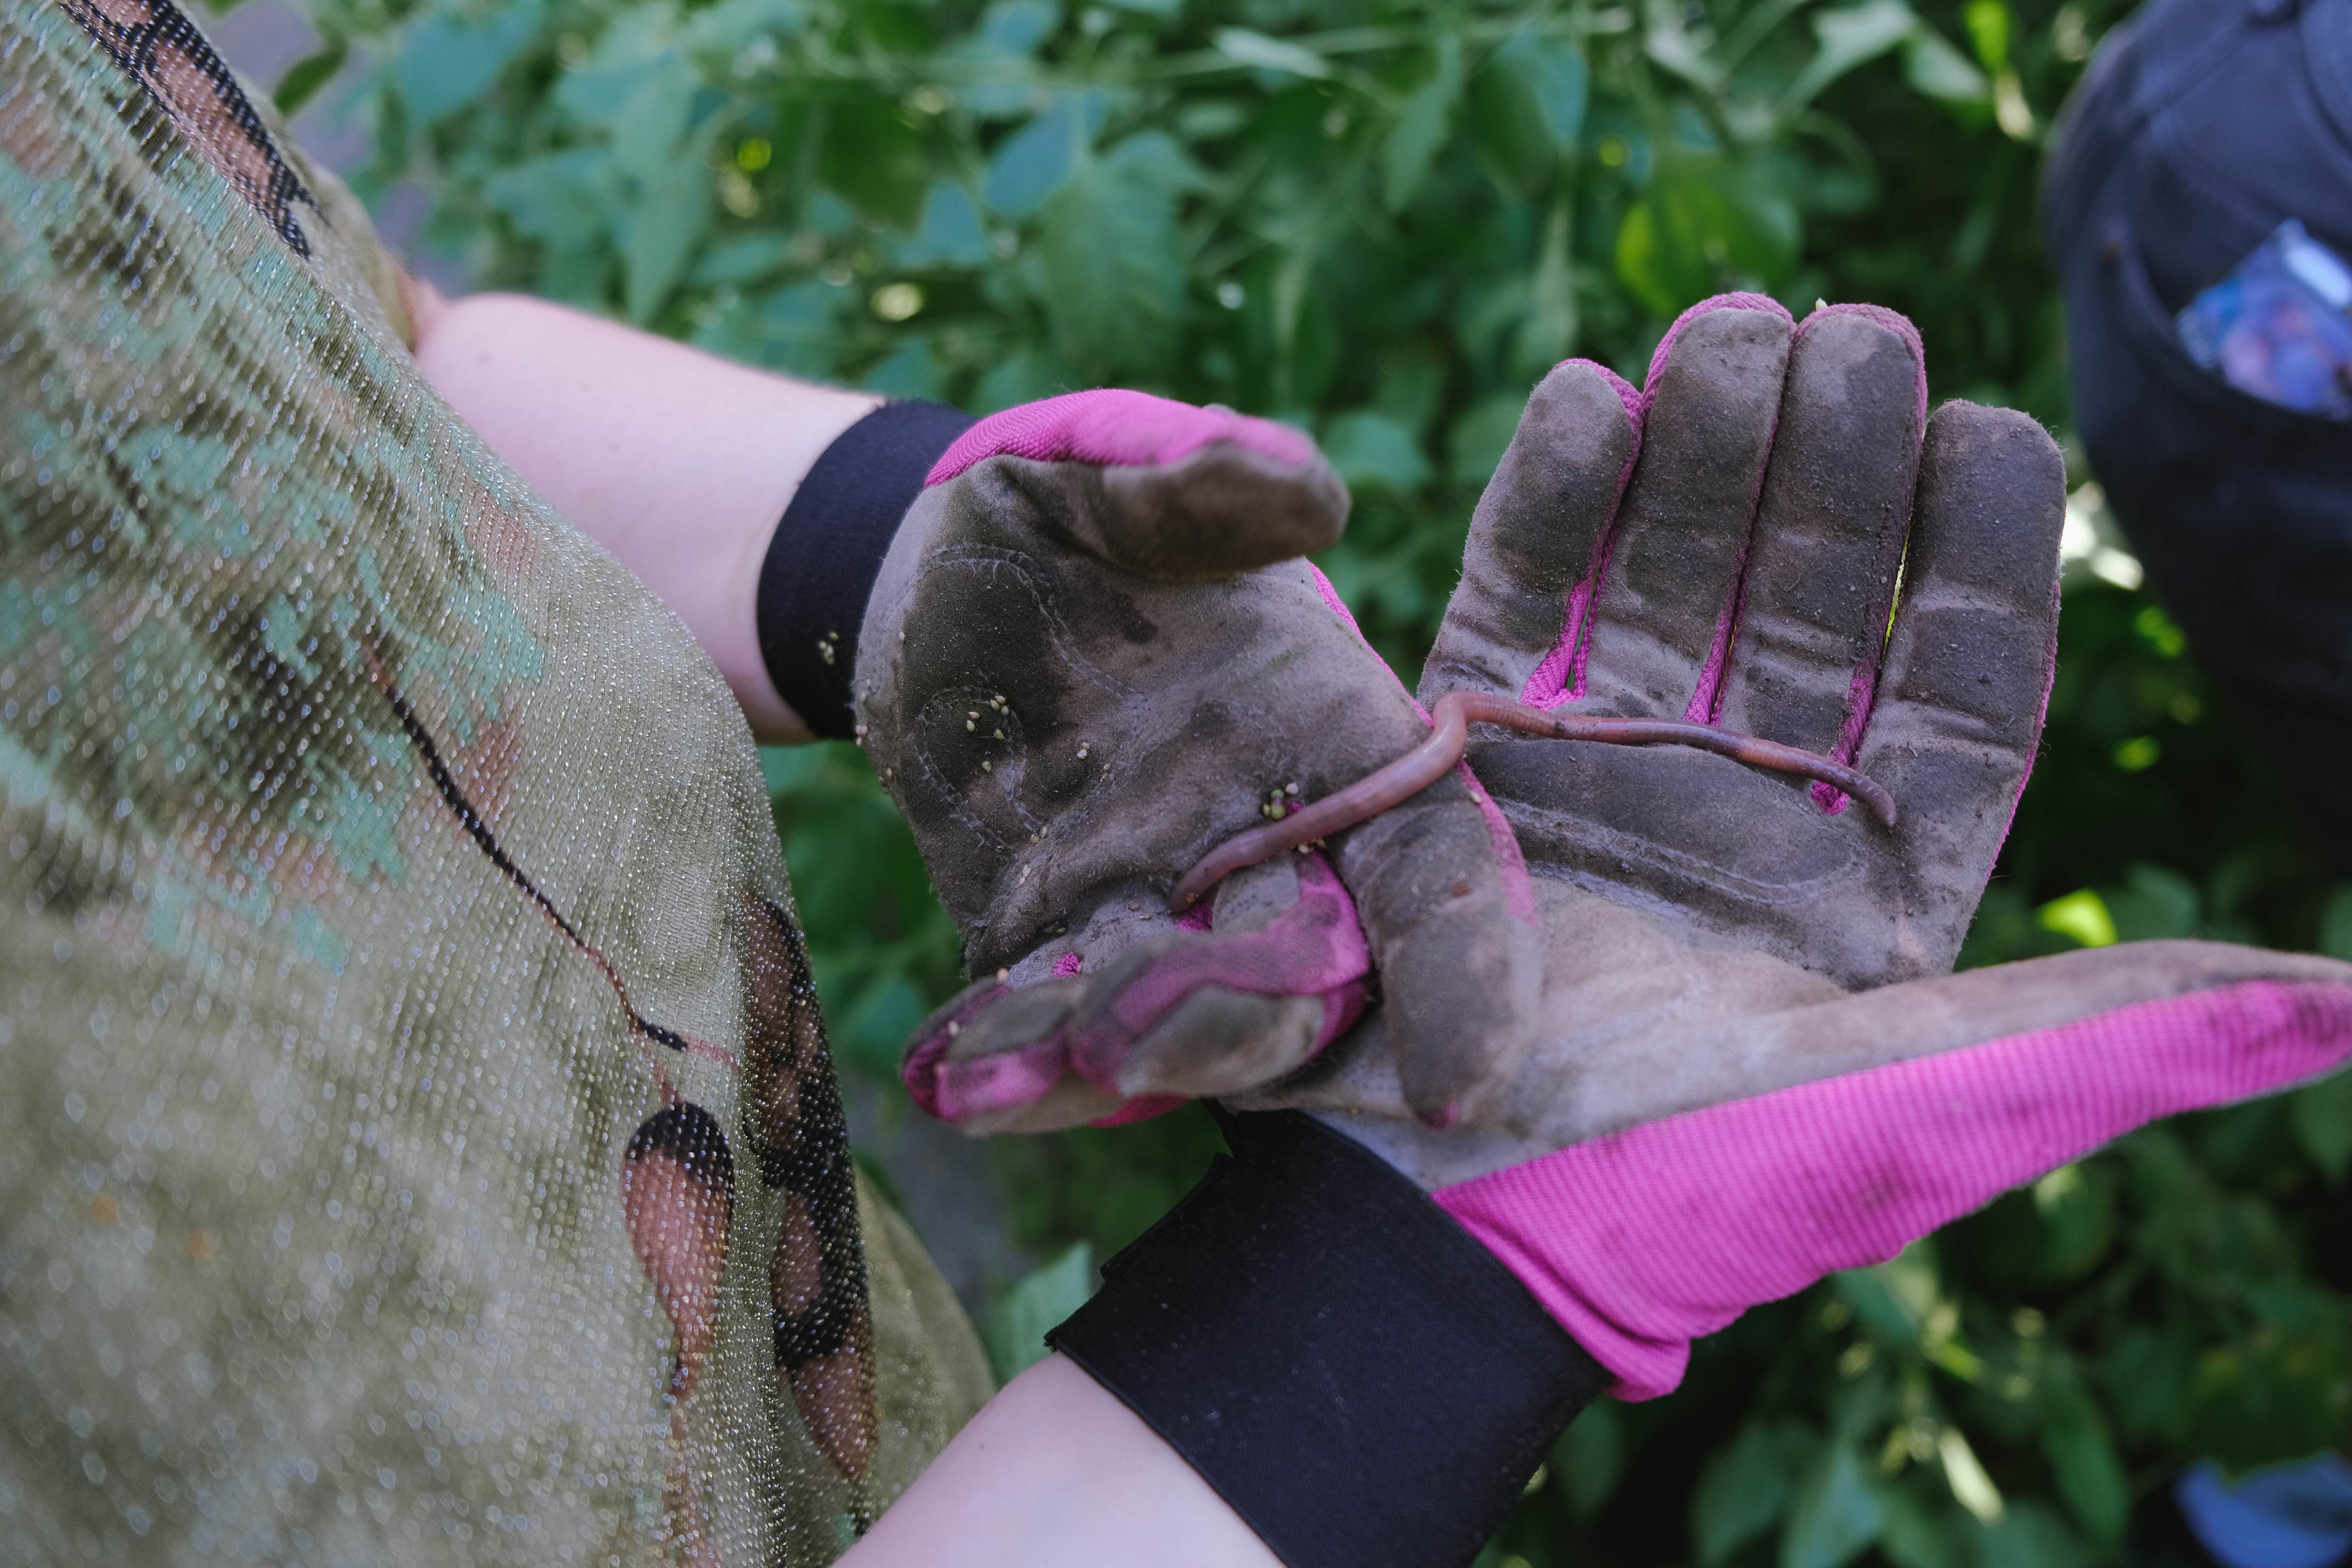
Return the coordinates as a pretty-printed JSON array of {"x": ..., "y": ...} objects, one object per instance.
[
  {"x": 1352, "y": 1372},
  {"x": 820, "y": 565}
]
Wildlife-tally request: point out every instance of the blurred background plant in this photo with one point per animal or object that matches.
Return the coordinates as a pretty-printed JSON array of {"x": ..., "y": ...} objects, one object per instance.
[{"x": 1382, "y": 222}]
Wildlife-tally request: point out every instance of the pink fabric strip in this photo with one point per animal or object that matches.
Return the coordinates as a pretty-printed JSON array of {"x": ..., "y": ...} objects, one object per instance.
[
  {"x": 1119, "y": 429},
  {"x": 1640, "y": 1242},
  {"x": 1560, "y": 677}
]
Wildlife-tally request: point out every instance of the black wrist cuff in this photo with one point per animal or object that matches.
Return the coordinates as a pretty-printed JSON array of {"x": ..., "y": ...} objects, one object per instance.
[
  {"x": 820, "y": 565},
  {"x": 1350, "y": 1369}
]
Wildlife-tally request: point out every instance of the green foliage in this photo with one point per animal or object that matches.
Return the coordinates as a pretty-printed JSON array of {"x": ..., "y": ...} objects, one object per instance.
[{"x": 1383, "y": 222}]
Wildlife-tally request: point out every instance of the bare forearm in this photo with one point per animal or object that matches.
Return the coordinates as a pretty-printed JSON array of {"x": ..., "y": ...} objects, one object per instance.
[
  {"x": 677, "y": 462},
  {"x": 1057, "y": 1473}
]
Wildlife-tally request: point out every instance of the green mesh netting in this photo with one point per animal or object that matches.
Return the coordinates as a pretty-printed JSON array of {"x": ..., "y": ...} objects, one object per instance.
[{"x": 417, "y": 1140}]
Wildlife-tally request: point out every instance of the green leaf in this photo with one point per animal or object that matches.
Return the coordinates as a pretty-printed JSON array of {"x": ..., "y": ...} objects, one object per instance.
[
  {"x": 1019, "y": 27},
  {"x": 2323, "y": 1123},
  {"x": 652, "y": 146},
  {"x": 2336, "y": 923},
  {"x": 1476, "y": 445},
  {"x": 1590, "y": 1458},
  {"x": 1850, "y": 37},
  {"x": 951, "y": 233},
  {"x": 1833, "y": 1515},
  {"x": 872, "y": 157},
  {"x": 1702, "y": 223},
  {"x": 566, "y": 201},
  {"x": 1934, "y": 68},
  {"x": 1556, "y": 77},
  {"x": 2081, "y": 915},
  {"x": 649, "y": 131},
  {"x": 1421, "y": 129},
  {"x": 1912, "y": 1535},
  {"x": 2155, "y": 902},
  {"x": 1032, "y": 373},
  {"x": 1988, "y": 22},
  {"x": 1024, "y": 1314},
  {"x": 732, "y": 25},
  {"x": 303, "y": 79},
  {"x": 2278, "y": 1394},
  {"x": 1114, "y": 268},
  {"x": 1372, "y": 451},
  {"x": 910, "y": 371},
  {"x": 1666, "y": 41},
  {"x": 745, "y": 260},
  {"x": 1741, "y": 1493},
  {"x": 446, "y": 62},
  {"x": 1030, "y": 165},
  {"x": 2031, "y": 1536},
  {"x": 1244, "y": 46},
  {"x": 2083, "y": 1458}
]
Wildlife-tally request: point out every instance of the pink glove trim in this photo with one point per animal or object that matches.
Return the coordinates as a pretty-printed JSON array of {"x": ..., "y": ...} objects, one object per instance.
[
  {"x": 1315, "y": 948},
  {"x": 1560, "y": 677},
  {"x": 1118, "y": 429},
  {"x": 1640, "y": 1242}
]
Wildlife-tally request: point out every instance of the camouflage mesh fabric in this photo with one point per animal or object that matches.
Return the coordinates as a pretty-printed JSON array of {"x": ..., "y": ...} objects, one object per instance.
[{"x": 417, "y": 1142}]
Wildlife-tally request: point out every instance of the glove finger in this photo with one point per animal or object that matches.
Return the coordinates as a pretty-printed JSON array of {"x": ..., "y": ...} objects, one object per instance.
[
  {"x": 1959, "y": 709},
  {"x": 1445, "y": 904},
  {"x": 1177, "y": 1013},
  {"x": 1829, "y": 534},
  {"x": 1172, "y": 492},
  {"x": 1664, "y": 612},
  {"x": 1517, "y": 623}
]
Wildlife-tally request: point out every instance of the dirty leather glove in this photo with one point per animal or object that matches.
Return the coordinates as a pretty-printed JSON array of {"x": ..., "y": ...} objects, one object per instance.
[
  {"x": 1091, "y": 653},
  {"x": 1751, "y": 1067}
]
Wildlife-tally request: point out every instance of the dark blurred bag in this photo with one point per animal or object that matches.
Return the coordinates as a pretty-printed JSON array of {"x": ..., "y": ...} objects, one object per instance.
[{"x": 2202, "y": 126}]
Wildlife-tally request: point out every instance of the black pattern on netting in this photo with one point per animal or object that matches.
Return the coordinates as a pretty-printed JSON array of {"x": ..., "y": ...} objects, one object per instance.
[{"x": 144, "y": 49}]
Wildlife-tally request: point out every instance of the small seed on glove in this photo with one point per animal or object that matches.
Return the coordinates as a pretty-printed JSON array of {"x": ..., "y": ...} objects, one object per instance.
[
  {"x": 987, "y": 767},
  {"x": 1003, "y": 975},
  {"x": 970, "y": 725},
  {"x": 999, "y": 735},
  {"x": 954, "y": 1028},
  {"x": 1082, "y": 752},
  {"x": 1291, "y": 789}
]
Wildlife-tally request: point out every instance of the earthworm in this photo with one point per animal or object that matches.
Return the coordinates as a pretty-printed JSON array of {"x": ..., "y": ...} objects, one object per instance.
[{"x": 1435, "y": 757}]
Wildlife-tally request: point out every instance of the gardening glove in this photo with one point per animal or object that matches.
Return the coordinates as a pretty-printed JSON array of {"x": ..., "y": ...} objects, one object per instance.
[
  {"x": 1748, "y": 1040},
  {"x": 1751, "y": 1067},
  {"x": 1091, "y": 653}
]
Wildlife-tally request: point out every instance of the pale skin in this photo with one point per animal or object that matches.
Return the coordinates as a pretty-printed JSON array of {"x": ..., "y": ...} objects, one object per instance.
[{"x": 680, "y": 464}]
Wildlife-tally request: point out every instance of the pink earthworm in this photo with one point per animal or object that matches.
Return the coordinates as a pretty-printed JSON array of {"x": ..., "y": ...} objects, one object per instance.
[{"x": 1450, "y": 737}]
